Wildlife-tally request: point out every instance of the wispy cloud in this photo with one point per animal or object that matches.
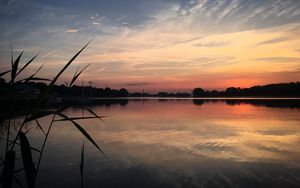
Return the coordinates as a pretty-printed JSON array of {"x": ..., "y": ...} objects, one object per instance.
[
  {"x": 120, "y": 18},
  {"x": 96, "y": 23},
  {"x": 138, "y": 41},
  {"x": 279, "y": 59},
  {"x": 212, "y": 44},
  {"x": 275, "y": 40},
  {"x": 72, "y": 31},
  {"x": 52, "y": 52}
]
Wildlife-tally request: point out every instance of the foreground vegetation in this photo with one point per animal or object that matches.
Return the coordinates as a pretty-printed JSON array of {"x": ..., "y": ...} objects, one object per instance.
[{"x": 34, "y": 112}]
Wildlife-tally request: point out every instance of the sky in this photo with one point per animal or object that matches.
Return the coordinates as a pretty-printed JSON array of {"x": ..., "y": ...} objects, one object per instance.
[{"x": 157, "y": 45}]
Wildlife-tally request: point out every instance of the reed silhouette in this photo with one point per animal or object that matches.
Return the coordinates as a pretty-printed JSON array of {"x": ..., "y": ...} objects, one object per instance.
[{"x": 33, "y": 113}]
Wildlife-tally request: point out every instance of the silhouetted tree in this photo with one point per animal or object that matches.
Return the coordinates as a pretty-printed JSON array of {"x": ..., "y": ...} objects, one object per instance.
[
  {"x": 272, "y": 90},
  {"x": 198, "y": 92},
  {"x": 214, "y": 93},
  {"x": 232, "y": 91},
  {"x": 123, "y": 93}
]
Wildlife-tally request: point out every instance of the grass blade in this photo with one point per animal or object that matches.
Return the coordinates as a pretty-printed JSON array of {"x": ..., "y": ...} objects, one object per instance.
[
  {"x": 2, "y": 160},
  {"x": 76, "y": 75},
  {"x": 82, "y": 131},
  {"x": 11, "y": 56},
  {"x": 10, "y": 143},
  {"x": 39, "y": 114},
  {"x": 82, "y": 164},
  {"x": 29, "y": 167},
  {"x": 73, "y": 79},
  {"x": 61, "y": 71},
  {"x": 39, "y": 125},
  {"x": 91, "y": 111},
  {"x": 7, "y": 175},
  {"x": 44, "y": 143},
  {"x": 28, "y": 63},
  {"x": 14, "y": 68},
  {"x": 32, "y": 76},
  {"x": 77, "y": 118},
  {"x": 4, "y": 73}
]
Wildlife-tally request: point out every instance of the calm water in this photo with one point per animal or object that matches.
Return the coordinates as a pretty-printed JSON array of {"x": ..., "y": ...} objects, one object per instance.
[{"x": 177, "y": 143}]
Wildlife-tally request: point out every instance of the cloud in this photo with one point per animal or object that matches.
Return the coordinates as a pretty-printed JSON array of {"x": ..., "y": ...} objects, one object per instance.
[
  {"x": 228, "y": 16},
  {"x": 275, "y": 40},
  {"x": 215, "y": 146},
  {"x": 270, "y": 149},
  {"x": 177, "y": 38},
  {"x": 212, "y": 44},
  {"x": 112, "y": 65},
  {"x": 279, "y": 59},
  {"x": 72, "y": 31},
  {"x": 275, "y": 132},
  {"x": 96, "y": 23},
  {"x": 120, "y": 18}
]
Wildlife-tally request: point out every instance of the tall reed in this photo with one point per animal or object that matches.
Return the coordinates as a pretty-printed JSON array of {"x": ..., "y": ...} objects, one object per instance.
[{"x": 33, "y": 114}]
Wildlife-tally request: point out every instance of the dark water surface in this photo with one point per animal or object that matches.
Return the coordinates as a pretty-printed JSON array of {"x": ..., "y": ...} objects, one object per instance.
[{"x": 177, "y": 143}]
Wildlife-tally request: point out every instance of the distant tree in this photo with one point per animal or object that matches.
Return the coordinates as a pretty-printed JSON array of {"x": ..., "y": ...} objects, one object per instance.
[
  {"x": 38, "y": 85},
  {"x": 232, "y": 91},
  {"x": 123, "y": 93},
  {"x": 272, "y": 90},
  {"x": 198, "y": 92},
  {"x": 107, "y": 92},
  {"x": 214, "y": 93},
  {"x": 162, "y": 94}
]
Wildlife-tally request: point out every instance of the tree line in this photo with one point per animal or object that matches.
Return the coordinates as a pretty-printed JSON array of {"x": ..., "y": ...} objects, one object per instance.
[
  {"x": 34, "y": 88},
  {"x": 272, "y": 90}
]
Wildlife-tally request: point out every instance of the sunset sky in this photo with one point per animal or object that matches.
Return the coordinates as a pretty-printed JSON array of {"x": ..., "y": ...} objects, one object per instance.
[{"x": 170, "y": 45}]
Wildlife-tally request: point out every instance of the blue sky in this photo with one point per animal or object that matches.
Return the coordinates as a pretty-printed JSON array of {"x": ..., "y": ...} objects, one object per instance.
[{"x": 159, "y": 44}]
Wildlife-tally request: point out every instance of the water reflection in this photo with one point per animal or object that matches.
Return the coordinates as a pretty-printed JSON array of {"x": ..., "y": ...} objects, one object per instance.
[
  {"x": 175, "y": 143},
  {"x": 275, "y": 103}
]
